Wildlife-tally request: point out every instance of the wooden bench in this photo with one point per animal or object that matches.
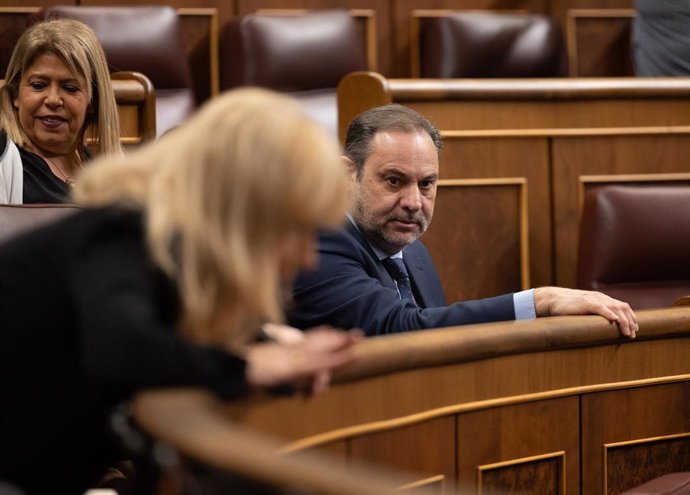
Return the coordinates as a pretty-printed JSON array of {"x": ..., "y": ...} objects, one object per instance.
[{"x": 554, "y": 405}]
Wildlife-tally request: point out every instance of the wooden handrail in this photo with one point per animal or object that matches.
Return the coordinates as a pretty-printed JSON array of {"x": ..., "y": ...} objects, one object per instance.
[
  {"x": 406, "y": 351},
  {"x": 422, "y": 390},
  {"x": 515, "y": 89},
  {"x": 194, "y": 423}
]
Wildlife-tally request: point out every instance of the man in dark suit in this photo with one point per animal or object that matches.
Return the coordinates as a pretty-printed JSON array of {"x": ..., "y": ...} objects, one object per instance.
[{"x": 376, "y": 275}]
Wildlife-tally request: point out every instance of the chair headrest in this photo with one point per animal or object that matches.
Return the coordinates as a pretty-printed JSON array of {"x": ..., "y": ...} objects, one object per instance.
[
  {"x": 142, "y": 39},
  {"x": 491, "y": 45},
  {"x": 292, "y": 53},
  {"x": 635, "y": 233}
]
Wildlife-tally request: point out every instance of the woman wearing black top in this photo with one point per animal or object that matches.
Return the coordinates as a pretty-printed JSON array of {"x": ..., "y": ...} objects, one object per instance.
[
  {"x": 178, "y": 257},
  {"x": 57, "y": 85}
]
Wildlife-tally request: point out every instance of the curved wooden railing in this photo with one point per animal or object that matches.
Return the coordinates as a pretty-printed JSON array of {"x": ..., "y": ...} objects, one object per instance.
[{"x": 493, "y": 405}]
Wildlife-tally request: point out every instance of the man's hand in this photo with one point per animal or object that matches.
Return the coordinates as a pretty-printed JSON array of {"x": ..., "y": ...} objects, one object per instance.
[
  {"x": 557, "y": 301},
  {"x": 296, "y": 360}
]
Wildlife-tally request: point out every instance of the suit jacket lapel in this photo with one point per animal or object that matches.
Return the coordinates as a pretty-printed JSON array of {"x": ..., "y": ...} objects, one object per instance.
[{"x": 383, "y": 275}]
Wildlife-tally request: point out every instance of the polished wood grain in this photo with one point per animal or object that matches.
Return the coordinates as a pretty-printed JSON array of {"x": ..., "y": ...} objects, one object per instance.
[
  {"x": 492, "y": 158},
  {"x": 630, "y": 464},
  {"x": 478, "y": 237},
  {"x": 425, "y": 451},
  {"x": 497, "y": 403},
  {"x": 507, "y": 449},
  {"x": 633, "y": 417},
  {"x": 484, "y": 406},
  {"x": 13, "y": 21},
  {"x": 534, "y": 475},
  {"x": 136, "y": 106},
  {"x": 598, "y": 42},
  {"x": 199, "y": 31}
]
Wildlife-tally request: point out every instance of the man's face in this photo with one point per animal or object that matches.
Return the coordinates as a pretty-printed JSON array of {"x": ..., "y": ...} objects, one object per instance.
[{"x": 393, "y": 201}]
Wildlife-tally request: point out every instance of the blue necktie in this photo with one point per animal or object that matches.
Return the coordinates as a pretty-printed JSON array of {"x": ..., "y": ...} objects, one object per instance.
[{"x": 397, "y": 269}]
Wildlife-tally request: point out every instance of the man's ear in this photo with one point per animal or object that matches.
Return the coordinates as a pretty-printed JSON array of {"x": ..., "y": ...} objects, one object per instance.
[{"x": 350, "y": 168}]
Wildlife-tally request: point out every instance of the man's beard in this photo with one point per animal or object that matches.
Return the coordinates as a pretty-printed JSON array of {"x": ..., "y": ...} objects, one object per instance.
[{"x": 390, "y": 240}]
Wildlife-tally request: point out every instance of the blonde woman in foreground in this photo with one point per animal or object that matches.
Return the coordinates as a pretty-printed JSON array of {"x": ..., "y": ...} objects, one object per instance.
[{"x": 164, "y": 279}]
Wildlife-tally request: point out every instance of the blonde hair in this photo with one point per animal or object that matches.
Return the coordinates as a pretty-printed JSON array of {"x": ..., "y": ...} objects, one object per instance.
[
  {"x": 78, "y": 47},
  {"x": 220, "y": 193}
]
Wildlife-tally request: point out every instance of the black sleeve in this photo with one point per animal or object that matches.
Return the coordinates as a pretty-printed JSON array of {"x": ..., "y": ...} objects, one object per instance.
[{"x": 128, "y": 340}]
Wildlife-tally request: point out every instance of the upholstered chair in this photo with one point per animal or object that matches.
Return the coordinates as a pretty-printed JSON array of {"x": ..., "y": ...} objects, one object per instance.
[
  {"x": 305, "y": 55},
  {"x": 635, "y": 243},
  {"x": 484, "y": 45}
]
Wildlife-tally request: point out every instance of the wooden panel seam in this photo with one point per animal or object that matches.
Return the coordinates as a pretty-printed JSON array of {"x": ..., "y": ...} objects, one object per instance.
[{"x": 390, "y": 424}]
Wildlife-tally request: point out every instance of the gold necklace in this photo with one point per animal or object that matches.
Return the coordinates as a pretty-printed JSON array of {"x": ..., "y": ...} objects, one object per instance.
[{"x": 63, "y": 176}]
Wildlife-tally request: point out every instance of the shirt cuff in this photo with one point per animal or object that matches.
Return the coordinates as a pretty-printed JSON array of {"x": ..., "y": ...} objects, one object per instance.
[{"x": 524, "y": 305}]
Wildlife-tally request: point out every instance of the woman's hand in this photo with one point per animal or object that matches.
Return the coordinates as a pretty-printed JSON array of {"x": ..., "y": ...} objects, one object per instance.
[{"x": 294, "y": 358}]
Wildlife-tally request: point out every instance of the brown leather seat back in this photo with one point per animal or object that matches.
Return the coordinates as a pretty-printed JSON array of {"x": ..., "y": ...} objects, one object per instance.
[
  {"x": 15, "y": 219},
  {"x": 668, "y": 484},
  {"x": 304, "y": 54},
  {"x": 142, "y": 39},
  {"x": 635, "y": 243},
  {"x": 484, "y": 45}
]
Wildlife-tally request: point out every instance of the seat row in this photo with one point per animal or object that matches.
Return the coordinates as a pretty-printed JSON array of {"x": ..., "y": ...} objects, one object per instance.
[{"x": 308, "y": 54}]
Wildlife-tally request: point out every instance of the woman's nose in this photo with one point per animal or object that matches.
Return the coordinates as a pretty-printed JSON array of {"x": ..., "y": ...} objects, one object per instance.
[{"x": 54, "y": 96}]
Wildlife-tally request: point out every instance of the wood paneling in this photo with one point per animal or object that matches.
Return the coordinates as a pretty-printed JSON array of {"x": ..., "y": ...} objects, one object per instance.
[
  {"x": 508, "y": 449},
  {"x": 12, "y": 23},
  {"x": 574, "y": 157},
  {"x": 500, "y": 403},
  {"x": 199, "y": 30},
  {"x": 479, "y": 237},
  {"x": 425, "y": 451},
  {"x": 630, "y": 464},
  {"x": 494, "y": 157},
  {"x": 532, "y": 476},
  {"x": 599, "y": 43},
  {"x": 639, "y": 419}
]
